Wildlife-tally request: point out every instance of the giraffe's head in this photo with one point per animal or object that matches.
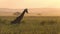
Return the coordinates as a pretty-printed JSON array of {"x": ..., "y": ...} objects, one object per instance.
[{"x": 26, "y": 10}]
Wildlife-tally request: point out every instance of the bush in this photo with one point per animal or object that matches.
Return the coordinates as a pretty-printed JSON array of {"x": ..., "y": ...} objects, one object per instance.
[
  {"x": 42, "y": 22},
  {"x": 51, "y": 22}
]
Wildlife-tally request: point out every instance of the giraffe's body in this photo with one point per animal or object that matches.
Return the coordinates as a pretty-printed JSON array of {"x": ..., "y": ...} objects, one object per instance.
[{"x": 19, "y": 18}]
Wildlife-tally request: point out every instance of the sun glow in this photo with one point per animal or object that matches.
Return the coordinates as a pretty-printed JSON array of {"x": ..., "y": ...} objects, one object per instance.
[{"x": 29, "y": 4}]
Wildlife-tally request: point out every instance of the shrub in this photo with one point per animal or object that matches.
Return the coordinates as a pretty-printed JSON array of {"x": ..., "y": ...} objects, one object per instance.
[
  {"x": 42, "y": 22},
  {"x": 51, "y": 22}
]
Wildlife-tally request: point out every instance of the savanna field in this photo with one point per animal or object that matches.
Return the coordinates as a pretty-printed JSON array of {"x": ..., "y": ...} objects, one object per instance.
[{"x": 30, "y": 25}]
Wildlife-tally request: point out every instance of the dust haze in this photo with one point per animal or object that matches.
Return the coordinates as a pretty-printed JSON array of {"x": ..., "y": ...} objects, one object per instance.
[{"x": 32, "y": 11}]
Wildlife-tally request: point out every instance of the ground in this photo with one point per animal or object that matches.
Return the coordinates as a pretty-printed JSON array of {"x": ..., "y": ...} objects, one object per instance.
[{"x": 30, "y": 25}]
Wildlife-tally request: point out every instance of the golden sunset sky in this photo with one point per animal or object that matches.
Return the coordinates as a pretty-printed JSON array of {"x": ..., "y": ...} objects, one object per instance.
[{"x": 16, "y": 4}]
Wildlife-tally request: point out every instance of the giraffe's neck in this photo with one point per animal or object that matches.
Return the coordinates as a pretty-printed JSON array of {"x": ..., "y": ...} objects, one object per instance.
[
  {"x": 22, "y": 14},
  {"x": 19, "y": 18}
]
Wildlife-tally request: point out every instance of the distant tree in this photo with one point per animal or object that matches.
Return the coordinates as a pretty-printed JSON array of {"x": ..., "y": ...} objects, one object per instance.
[
  {"x": 16, "y": 13},
  {"x": 39, "y": 14}
]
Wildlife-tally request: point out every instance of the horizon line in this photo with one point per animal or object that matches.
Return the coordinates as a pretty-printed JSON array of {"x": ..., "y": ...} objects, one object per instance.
[{"x": 24, "y": 8}]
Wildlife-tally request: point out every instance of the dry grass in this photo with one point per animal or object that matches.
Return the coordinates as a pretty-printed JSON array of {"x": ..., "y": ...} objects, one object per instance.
[{"x": 30, "y": 25}]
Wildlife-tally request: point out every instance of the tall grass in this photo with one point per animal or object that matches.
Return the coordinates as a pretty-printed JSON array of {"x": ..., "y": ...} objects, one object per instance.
[{"x": 30, "y": 25}]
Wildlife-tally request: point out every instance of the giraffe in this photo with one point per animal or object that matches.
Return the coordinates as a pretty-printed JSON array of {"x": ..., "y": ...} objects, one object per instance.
[{"x": 19, "y": 18}]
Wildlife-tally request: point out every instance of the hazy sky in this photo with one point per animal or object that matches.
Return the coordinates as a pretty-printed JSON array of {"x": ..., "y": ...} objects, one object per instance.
[{"x": 29, "y": 4}]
